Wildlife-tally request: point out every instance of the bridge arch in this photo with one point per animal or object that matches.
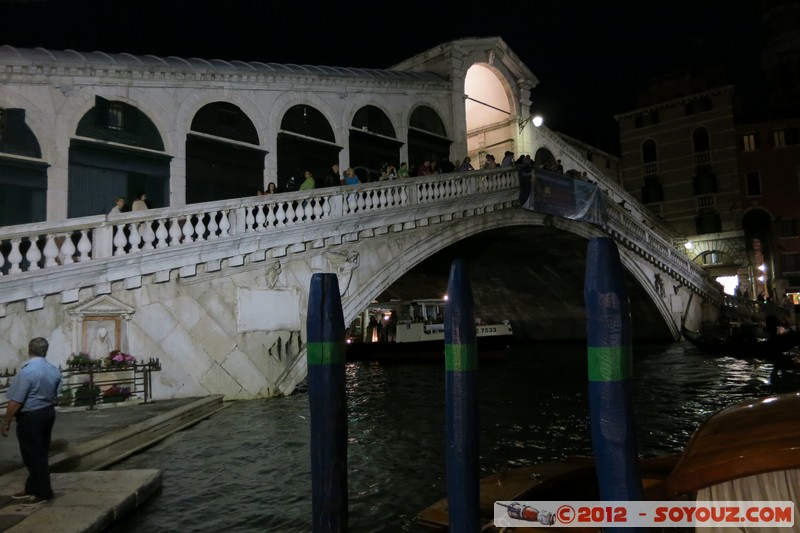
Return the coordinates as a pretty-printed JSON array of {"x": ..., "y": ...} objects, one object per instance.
[{"x": 397, "y": 261}]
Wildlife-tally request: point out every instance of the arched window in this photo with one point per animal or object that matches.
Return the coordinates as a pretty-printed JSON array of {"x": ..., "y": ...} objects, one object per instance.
[
  {"x": 649, "y": 152},
  {"x": 23, "y": 182},
  {"x": 427, "y": 137},
  {"x": 219, "y": 162},
  {"x": 372, "y": 141},
  {"x": 305, "y": 120},
  {"x": 306, "y": 142},
  {"x": 113, "y": 155}
]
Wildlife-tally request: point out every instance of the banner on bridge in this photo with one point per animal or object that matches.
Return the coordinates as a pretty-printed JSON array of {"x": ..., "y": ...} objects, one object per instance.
[{"x": 557, "y": 194}]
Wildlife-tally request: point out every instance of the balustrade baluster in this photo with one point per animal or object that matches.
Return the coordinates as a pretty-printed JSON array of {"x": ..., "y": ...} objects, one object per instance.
[
  {"x": 224, "y": 224},
  {"x": 362, "y": 203},
  {"x": 34, "y": 255},
  {"x": 134, "y": 239},
  {"x": 270, "y": 215},
  {"x": 84, "y": 245},
  {"x": 162, "y": 233},
  {"x": 249, "y": 220},
  {"x": 2, "y": 262},
  {"x": 290, "y": 213},
  {"x": 119, "y": 239},
  {"x": 212, "y": 226},
  {"x": 352, "y": 203},
  {"x": 368, "y": 197},
  {"x": 260, "y": 218},
  {"x": 403, "y": 196},
  {"x": 67, "y": 250},
  {"x": 200, "y": 227},
  {"x": 308, "y": 209},
  {"x": 50, "y": 252},
  {"x": 280, "y": 215},
  {"x": 188, "y": 229},
  {"x": 174, "y": 232},
  {"x": 148, "y": 235},
  {"x": 326, "y": 207},
  {"x": 14, "y": 257},
  {"x": 383, "y": 200},
  {"x": 317, "y": 208}
]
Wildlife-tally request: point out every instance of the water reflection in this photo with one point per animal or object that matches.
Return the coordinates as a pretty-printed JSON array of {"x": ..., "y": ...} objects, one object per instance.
[{"x": 248, "y": 469}]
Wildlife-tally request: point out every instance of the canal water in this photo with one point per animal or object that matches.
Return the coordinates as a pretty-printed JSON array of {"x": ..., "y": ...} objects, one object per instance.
[{"x": 247, "y": 468}]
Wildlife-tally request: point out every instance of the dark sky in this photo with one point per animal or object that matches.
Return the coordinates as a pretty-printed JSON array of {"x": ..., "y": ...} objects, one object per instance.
[{"x": 590, "y": 57}]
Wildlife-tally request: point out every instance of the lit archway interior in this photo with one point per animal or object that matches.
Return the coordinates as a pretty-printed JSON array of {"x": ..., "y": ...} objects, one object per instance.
[{"x": 490, "y": 113}]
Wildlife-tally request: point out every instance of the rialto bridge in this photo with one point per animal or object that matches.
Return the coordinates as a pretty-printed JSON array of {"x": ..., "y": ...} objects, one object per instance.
[{"x": 214, "y": 280}]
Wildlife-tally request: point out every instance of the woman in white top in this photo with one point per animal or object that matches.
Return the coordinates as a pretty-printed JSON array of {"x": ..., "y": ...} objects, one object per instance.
[{"x": 139, "y": 204}]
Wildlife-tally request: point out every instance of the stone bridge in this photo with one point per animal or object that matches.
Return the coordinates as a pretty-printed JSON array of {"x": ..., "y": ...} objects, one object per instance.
[{"x": 218, "y": 290}]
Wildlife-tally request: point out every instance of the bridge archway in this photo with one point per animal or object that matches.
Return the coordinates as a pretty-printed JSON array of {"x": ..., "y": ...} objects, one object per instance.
[
  {"x": 490, "y": 108},
  {"x": 222, "y": 155},
  {"x": 533, "y": 260},
  {"x": 121, "y": 159},
  {"x": 23, "y": 182},
  {"x": 306, "y": 141},
  {"x": 427, "y": 137}
]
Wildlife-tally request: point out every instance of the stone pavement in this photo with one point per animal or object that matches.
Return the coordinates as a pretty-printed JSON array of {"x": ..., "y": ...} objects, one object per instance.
[
  {"x": 84, "y": 441},
  {"x": 75, "y": 425}
]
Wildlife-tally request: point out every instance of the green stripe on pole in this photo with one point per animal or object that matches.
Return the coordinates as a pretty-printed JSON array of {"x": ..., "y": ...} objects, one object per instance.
[
  {"x": 610, "y": 364},
  {"x": 325, "y": 353},
  {"x": 461, "y": 357}
]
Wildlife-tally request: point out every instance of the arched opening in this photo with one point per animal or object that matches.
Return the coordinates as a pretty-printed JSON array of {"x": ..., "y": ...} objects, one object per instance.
[
  {"x": 489, "y": 110},
  {"x": 222, "y": 160},
  {"x": 427, "y": 138},
  {"x": 23, "y": 181},
  {"x": 544, "y": 158},
  {"x": 649, "y": 154},
  {"x": 305, "y": 142},
  {"x": 115, "y": 153},
  {"x": 373, "y": 141}
]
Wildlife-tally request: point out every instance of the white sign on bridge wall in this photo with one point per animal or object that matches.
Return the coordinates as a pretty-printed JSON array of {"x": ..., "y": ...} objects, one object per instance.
[{"x": 268, "y": 310}]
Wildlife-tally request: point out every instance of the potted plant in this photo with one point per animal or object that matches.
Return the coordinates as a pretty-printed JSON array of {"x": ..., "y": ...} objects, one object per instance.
[
  {"x": 116, "y": 393},
  {"x": 80, "y": 361},
  {"x": 86, "y": 394},
  {"x": 118, "y": 359}
]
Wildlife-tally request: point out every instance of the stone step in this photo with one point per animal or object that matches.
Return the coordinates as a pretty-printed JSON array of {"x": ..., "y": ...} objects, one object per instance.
[{"x": 115, "y": 446}]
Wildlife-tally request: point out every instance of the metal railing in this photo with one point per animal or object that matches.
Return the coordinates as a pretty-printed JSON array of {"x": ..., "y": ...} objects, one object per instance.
[{"x": 90, "y": 385}]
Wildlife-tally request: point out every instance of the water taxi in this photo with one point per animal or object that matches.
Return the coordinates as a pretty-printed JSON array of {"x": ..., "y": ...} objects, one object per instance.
[{"x": 414, "y": 329}]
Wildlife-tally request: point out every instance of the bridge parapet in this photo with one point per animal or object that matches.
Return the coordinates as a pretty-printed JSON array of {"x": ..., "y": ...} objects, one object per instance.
[{"x": 47, "y": 258}]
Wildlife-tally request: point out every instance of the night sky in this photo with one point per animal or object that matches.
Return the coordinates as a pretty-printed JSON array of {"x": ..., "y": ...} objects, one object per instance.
[{"x": 590, "y": 57}]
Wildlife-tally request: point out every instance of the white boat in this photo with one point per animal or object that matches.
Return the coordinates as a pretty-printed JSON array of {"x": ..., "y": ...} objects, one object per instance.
[{"x": 414, "y": 329}]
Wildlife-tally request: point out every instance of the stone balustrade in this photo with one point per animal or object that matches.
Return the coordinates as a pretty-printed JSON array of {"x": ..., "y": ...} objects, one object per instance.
[
  {"x": 82, "y": 250},
  {"x": 96, "y": 251}
]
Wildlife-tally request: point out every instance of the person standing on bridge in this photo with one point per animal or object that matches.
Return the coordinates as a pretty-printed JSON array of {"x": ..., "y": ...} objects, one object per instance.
[
  {"x": 309, "y": 182},
  {"x": 139, "y": 204},
  {"x": 333, "y": 179},
  {"x": 32, "y": 398}
]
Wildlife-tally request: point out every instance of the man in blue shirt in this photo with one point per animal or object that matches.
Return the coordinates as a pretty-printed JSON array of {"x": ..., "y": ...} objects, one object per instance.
[{"x": 32, "y": 398}]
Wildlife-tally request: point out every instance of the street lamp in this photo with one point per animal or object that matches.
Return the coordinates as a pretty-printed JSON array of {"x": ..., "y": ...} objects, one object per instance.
[{"x": 537, "y": 121}]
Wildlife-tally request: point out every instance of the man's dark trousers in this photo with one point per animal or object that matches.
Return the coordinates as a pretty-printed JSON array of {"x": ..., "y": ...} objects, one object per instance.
[{"x": 34, "y": 429}]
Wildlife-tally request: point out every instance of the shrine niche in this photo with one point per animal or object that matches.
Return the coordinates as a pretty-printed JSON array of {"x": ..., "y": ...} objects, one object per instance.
[{"x": 100, "y": 326}]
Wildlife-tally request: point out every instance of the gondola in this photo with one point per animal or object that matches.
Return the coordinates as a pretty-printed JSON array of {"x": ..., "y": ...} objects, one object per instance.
[{"x": 743, "y": 345}]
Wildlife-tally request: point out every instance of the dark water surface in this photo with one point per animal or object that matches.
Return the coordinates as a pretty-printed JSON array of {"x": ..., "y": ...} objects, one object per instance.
[{"x": 247, "y": 468}]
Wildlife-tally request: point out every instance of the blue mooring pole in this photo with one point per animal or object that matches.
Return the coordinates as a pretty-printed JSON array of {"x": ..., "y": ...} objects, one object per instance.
[
  {"x": 326, "y": 394},
  {"x": 608, "y": 325},
  {"x": 461, "y": 389}
]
